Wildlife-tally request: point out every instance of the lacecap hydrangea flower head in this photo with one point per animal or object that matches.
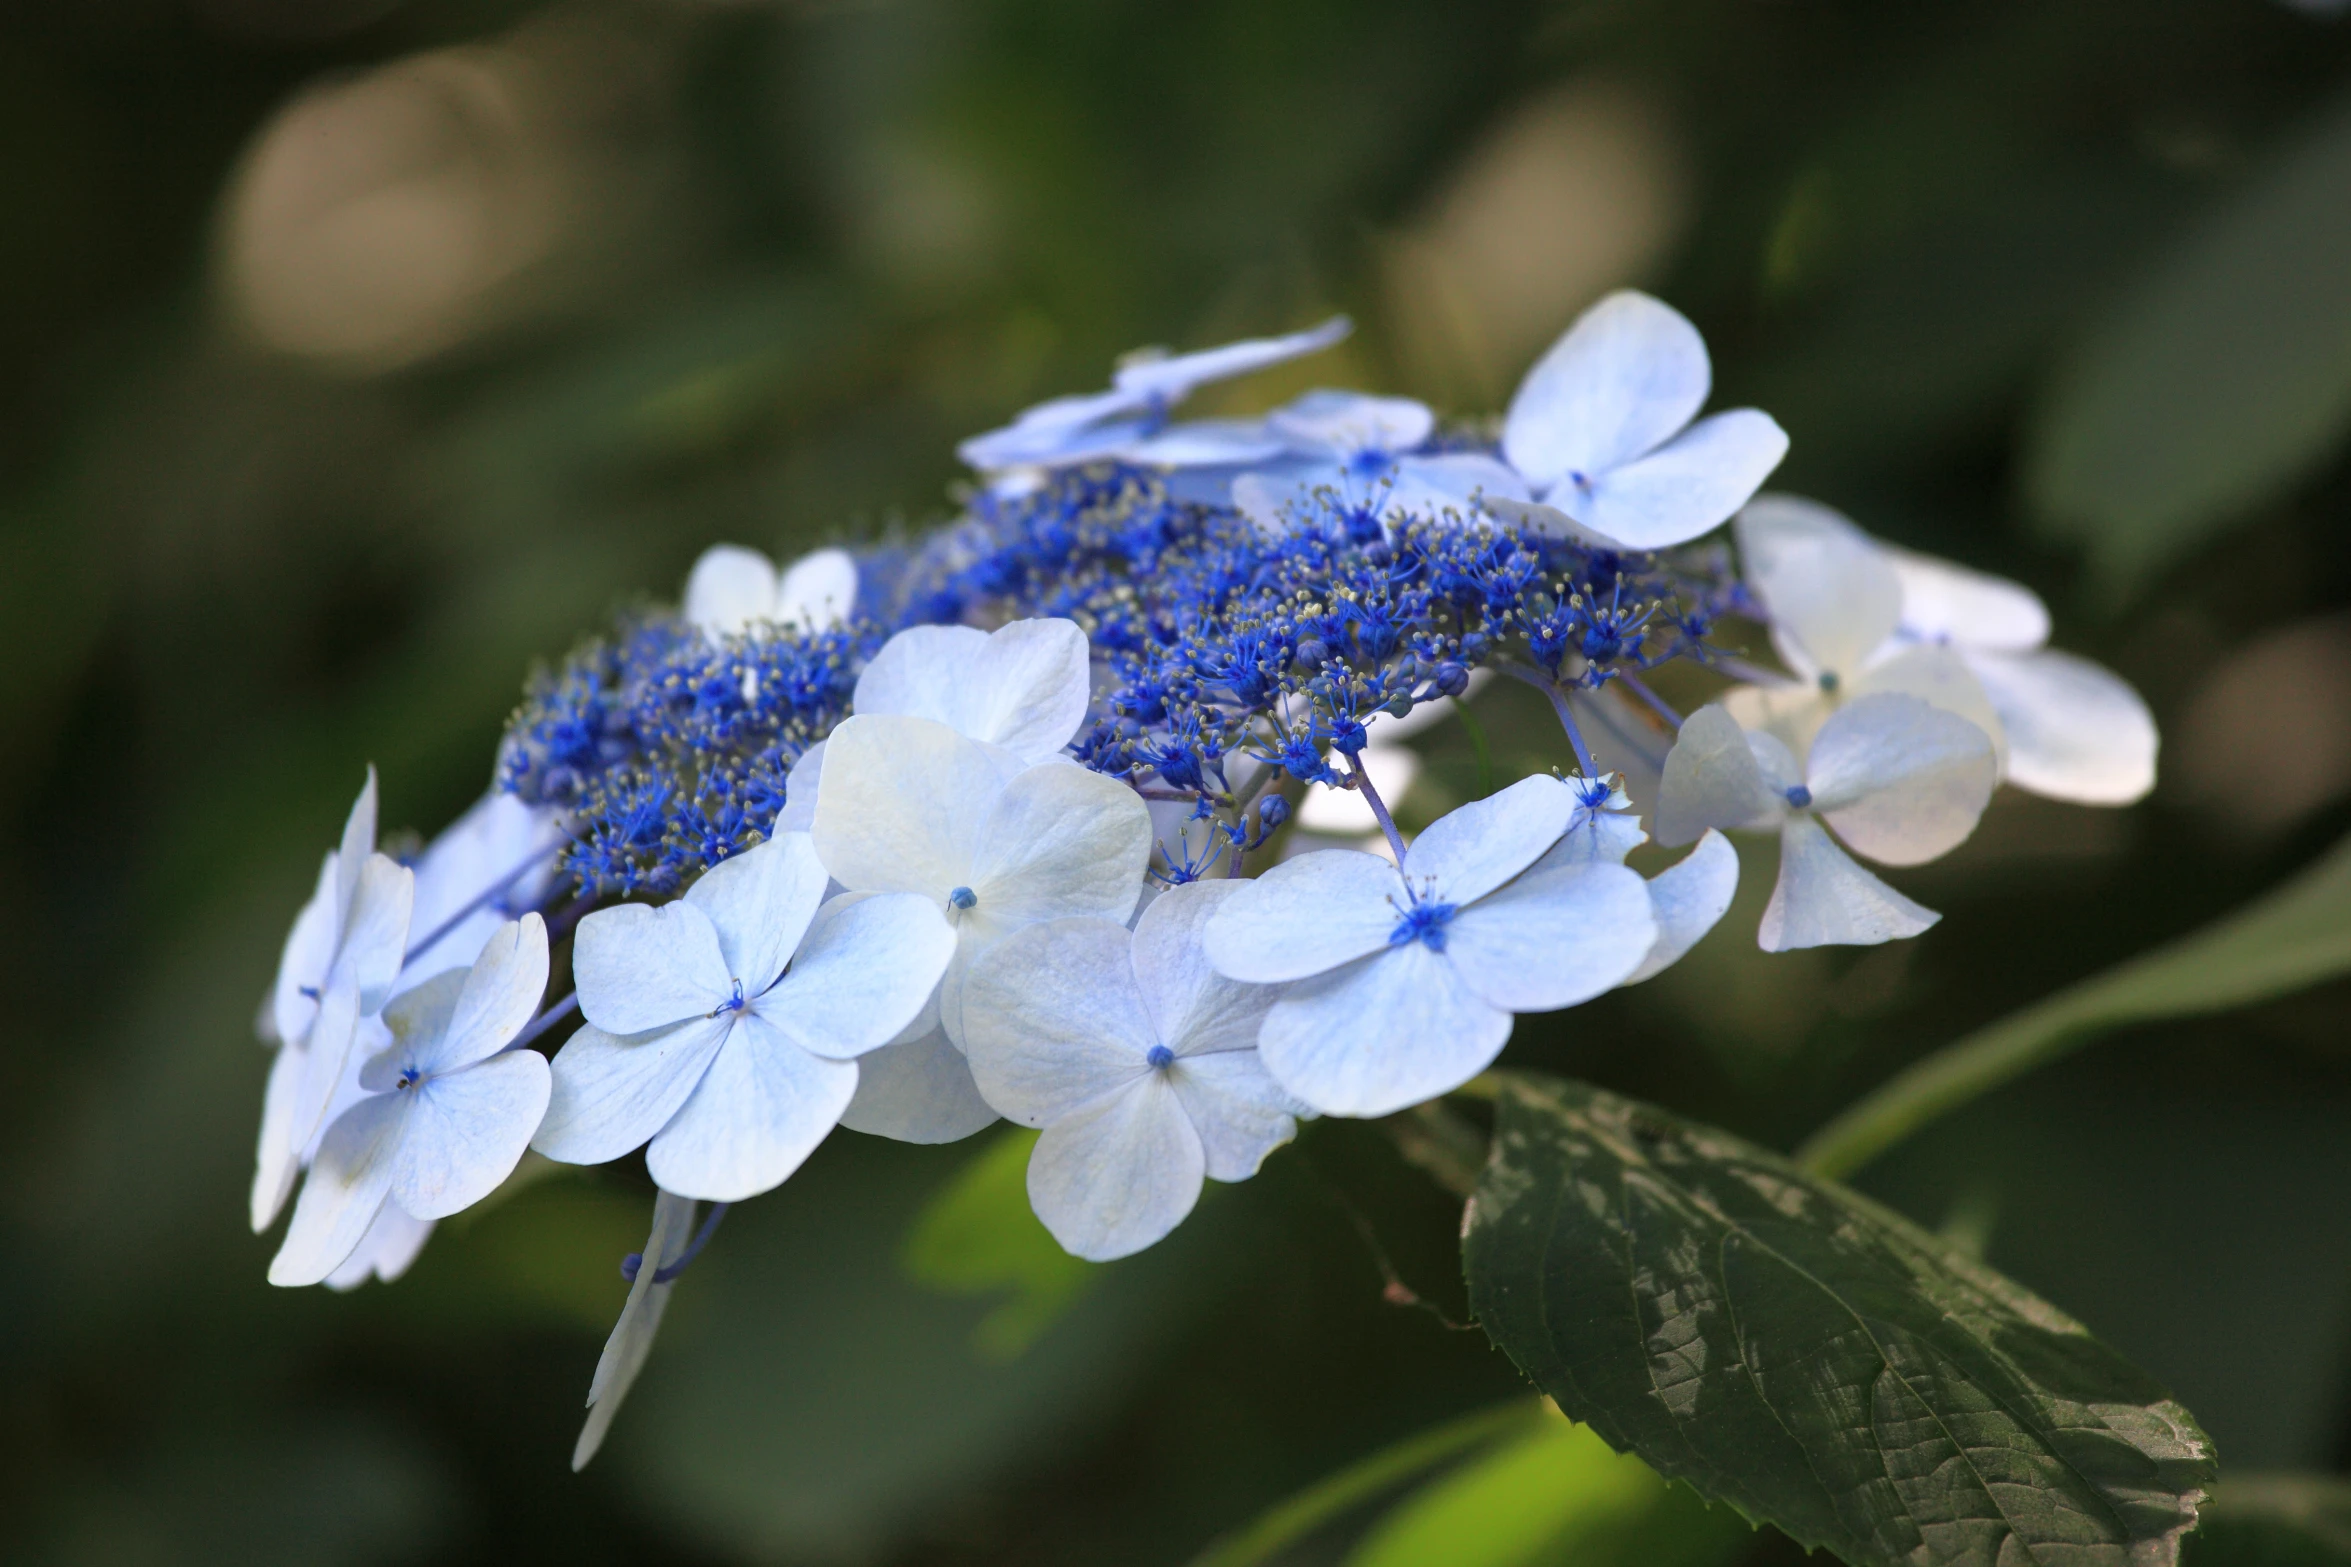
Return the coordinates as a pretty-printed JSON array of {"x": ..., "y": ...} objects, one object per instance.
[{"x": 1000, "y": 822}]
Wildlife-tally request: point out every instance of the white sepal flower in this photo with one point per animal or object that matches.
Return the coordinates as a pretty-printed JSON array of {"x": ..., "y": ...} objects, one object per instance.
[
  {"x": 1601, "y": 432},
  {"x": 734, "y": 590},
  {"x": 1129, "y": 421},
  {"x": 1406, "y": 979},
  {"x": 1900, "y": 781},
  {"x": 640, "y": 1319},
  {"x": 725, "y": 1027},
  {"x": 910, "y": 806},
  {"x": 918, "y": 1089},
  {"x": 1835, "y": 602},
  {"x": 340, "y": 959},
  {"x": 449, "y": 1114},
  {"x": 1137, "y": 1058},
  {"x": 2067, "y": 728}
]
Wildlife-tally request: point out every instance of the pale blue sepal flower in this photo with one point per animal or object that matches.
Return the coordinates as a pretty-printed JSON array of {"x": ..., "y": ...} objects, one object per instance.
[
  {"x": 449, "y": 1114},
  {"x": 733, "y": 591},
  {"x": 1123, "y": 420},
  {"x": 725, "y": 1027},
  {"x": 1688, "y": 898},
  {"x": 1137, "y": 1059},
  {"x": 1405, "y": 980},
  {"x": 1601, "y": 430},
  {"x": 910, "y": 806},
  {"x": 918, "y": 1090},
  {"x": 339, "y": 963},
  {"x": 1900, "y": 781},
  {"x": 391, "y": 1243},
  {"x": 640, "y": 1318}
]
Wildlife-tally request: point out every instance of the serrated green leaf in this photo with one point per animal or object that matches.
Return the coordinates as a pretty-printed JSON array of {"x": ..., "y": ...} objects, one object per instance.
[
  {"x": 2276, "y": 1520},
  {"x": 2218, "y": 383},
  {"x": 1785, "y": 1345},
  {"x": 1557, "y": 1494},
  {"x": 979, "y": 1236},
  {"x": 2294, "y": 937}
]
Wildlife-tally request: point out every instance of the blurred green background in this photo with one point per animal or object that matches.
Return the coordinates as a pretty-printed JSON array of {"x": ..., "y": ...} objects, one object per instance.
[{"x": 358, "y": 353}]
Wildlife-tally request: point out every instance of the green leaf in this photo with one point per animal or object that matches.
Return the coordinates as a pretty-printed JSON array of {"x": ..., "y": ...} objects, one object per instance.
[
  {"x": 2294, "y": 937},
  {"x": 1326, "y": 1499},
  {"x": 1557, "y": 1494},
  {"x": 2281, "y": 1520},
  {"x": 979, "y": 1236},
  {"x": 1784, "y": 1345},
  {"x": 2217, "y": 384}
]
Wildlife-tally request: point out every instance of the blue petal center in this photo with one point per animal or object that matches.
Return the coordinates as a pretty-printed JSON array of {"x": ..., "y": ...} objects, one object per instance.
[
  {"x": 1423, "y": 922},
  {"x": 1160, "y": 1056}
]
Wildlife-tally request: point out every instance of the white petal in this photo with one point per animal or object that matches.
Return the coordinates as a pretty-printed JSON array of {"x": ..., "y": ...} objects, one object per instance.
[
  {"x": 1194, "y": 1009},
  {"x": 1061, "y": 841},
  {"x": 610, "y": 1094},
  {"x": 359, "y": 842},
  {"x": 1686, "y": 487},
  {"x": 1384, "y": 1032},
  {"x": 1553, "y": 938},
  {"x": 640, "y": 1318},
  {"x": 1791, "y": 713},
  {"x": 760, "y": 902},
  {"x": 308, "y": 953},
  {"x": 1262, "y": 497},
  {"x": 820, "y": 591},
  {"x": 865, "y": 971},
  {"x": 1345, "y": 812},
  {"x": 467, "y": 1131},
  {"x": 385, "y": 1251},
  {"x": 730, "y": 590},
  {"x": 418, "y": 1021},
  {"x": 276, "y": 1156},
  {"x": 759, "y": 1111},
  {"x": 1171, "y": 378},
  {"x": 1467, "y": 853},
  {"x": 1593, "y": 838},
  {"x": 501, "y": 992},
  {"x": 348, "y": 1183},
  {"x": 1054, "y": 1020},
  {"x": 2075, "y": 730},
  {"x": 639, "y": 967},
  {"x": 1534, "y": 516},
  {"x": 375, "y": 935},
  {"x": 496, "y": 860},
  {"x": 1458, "y": 477},
  {"x": 917, "y": 1090},
  {"x": 1900, "y": 781},
  {"x": 1943, "y": 601},
  {"x": 1205, "y": 443},
  {"x": 329, "y": 1058},
  {"x": 1940, "y": 677},
  {"x": 800, "y": 786},
  {"x": 1341, "y": 424},
  {"x": 1825, "y": 899},
  {"x": 1119, "y": 1175},
  {"x": 1304, "y": 916},
  {"x": 1025, "y": 687},
  {"x": 1832, "y": 593},
  {"x": 1062, "y": 429},
  {"x": 1238, "y": 1111},
  {"x": 902, "y": 804},
  {"x": 1689, "y": 899},
  {"x": 1712, "y": 779},
  {"x": 1618, "y": 383}
]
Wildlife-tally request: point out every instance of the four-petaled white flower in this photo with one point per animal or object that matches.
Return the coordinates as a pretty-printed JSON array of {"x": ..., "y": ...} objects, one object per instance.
[
  {"x": 1137, "y": 1058},
  {"x": 1835, "y": 601},
  {"x": 1021, "y": 689},
  {"x": 1129, "y": 421},
  {"x": 1600, "y": 432},
  {"x": 725, "y": 1027},
  {"x": 1406, "y": 979},
  {"x": 910, "y": 806},
  {"x": 2071, "y": 729},
  {"x": 640, "y": 1319},
  {"x": 1900, "y": 781},
  {"x": 1363, "y": 453},
  {"x": 734, "y": 591},
  {"x": 339, "y": 963},
  {"x": 449, "y": 1109}
]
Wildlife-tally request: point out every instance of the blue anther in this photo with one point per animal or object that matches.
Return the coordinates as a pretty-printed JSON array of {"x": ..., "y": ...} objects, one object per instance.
[
  {"x": 1799, "y": 796},
  {"x": 733, "y": 1003},
  {"x": 1828, "y": 681},
  {"x": 1160, "y": 1057},
  {"x": 964, "y": 898},
  {"x": 409, "y": 1077},
  {"x": 1423, "y": 922},
  {"x": 309, "y": 990}
]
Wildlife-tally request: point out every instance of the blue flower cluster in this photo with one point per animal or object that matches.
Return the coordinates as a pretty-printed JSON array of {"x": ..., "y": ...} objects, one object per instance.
[{"x": 1221, "y": 640}]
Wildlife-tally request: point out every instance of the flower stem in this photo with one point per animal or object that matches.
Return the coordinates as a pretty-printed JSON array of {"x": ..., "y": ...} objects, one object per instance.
[
  {"x": 1640, "y": 688},
  {"x": 1361, "y": 782},
  {"x": 546, "y": 1020}
]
